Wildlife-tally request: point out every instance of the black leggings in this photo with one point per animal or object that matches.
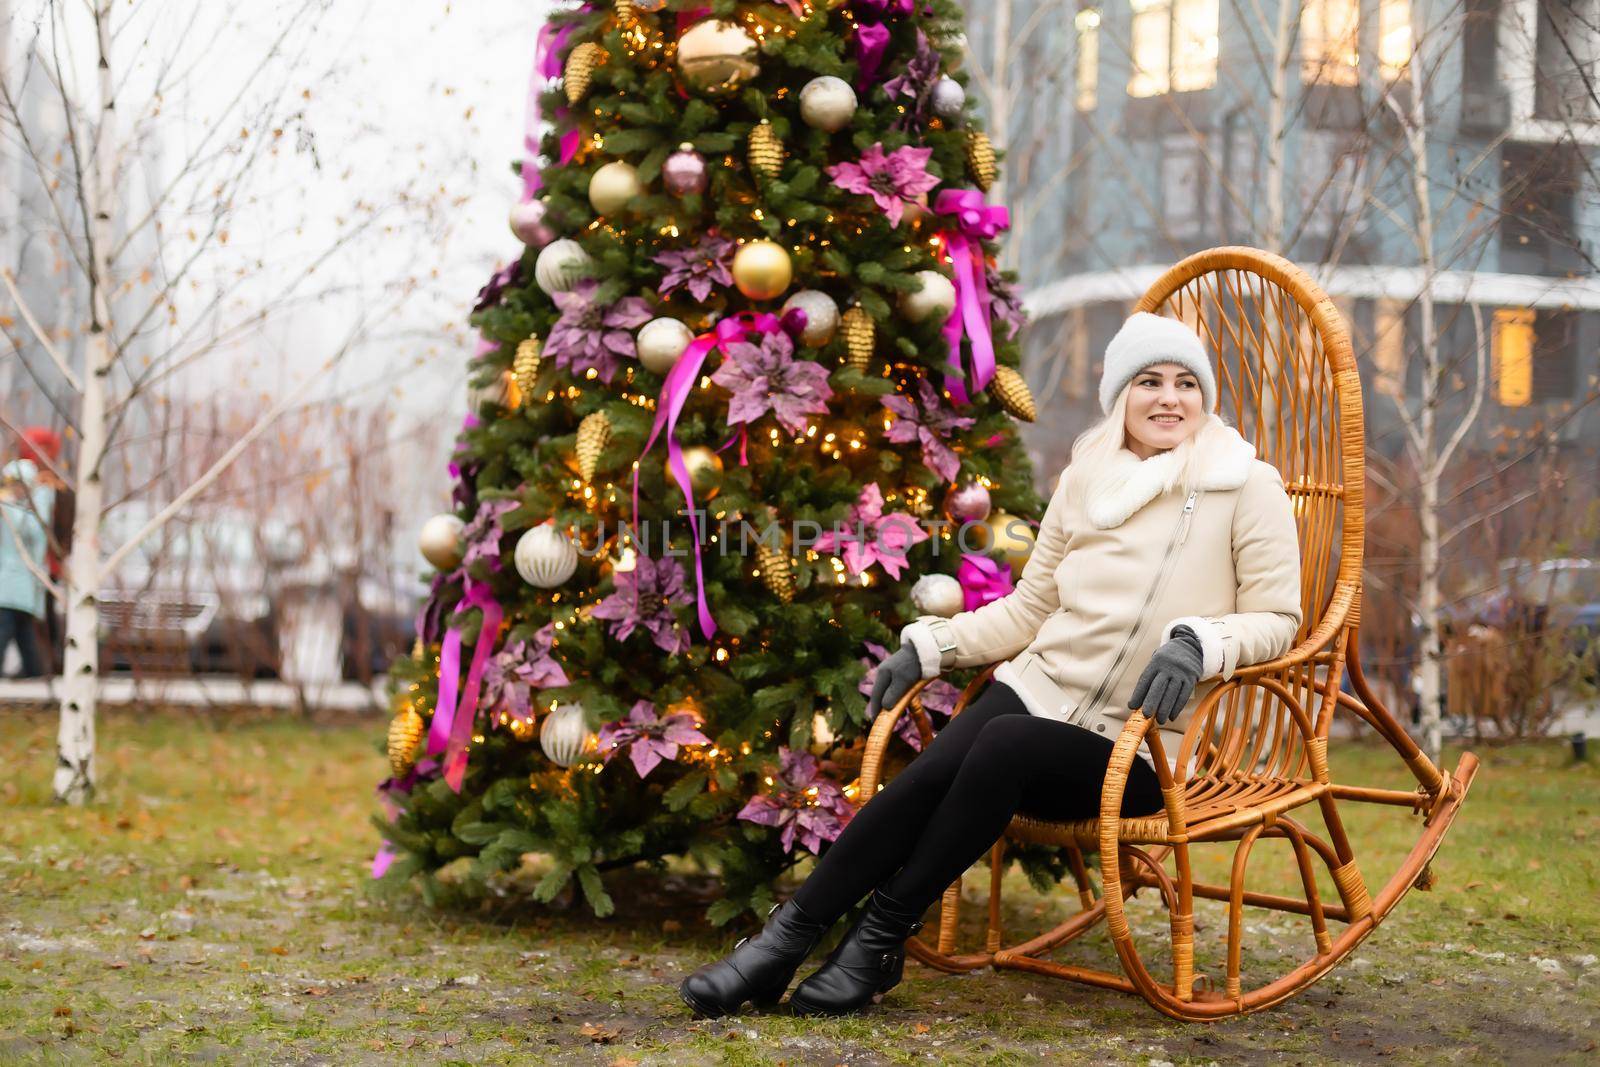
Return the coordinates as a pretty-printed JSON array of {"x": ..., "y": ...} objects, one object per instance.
[{"x": 935, "y": 818}]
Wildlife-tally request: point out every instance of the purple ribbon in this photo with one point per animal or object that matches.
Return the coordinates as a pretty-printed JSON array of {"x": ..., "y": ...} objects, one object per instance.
[
  {"x": 974, "y": 222},
  {"x": 547, "y": 64},
  {"x": 872, "y": 36},
  {"x": 675, "y": 393},
  {"x": 451, "y": 729},
  {"x": 982, "y": 580}
]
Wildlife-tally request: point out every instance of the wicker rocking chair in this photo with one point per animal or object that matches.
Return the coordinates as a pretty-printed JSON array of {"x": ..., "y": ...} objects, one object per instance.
[{"x": 1287, "y": 379}]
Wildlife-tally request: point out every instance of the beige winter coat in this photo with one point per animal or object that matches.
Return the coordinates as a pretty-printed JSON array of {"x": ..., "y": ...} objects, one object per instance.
[{"x": 1234, "y": 577}]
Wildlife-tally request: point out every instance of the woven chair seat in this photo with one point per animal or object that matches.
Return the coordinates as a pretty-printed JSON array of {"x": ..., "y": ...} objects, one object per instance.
[{"x": 1214, "y": 807}]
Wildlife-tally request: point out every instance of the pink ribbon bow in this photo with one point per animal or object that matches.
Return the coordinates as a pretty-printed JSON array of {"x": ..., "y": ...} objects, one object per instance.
[
  {"x": 674, "y": 394},
  {"x": 975, "y": 222},
  {"x": 982, "y": 580}
]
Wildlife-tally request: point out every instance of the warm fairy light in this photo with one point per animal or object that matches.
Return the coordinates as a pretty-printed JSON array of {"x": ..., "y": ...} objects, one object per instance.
[
  {"x": 767, "y": 780},
  {"x": 722, "y": 655},
  {"x": 744, "y": 748}
]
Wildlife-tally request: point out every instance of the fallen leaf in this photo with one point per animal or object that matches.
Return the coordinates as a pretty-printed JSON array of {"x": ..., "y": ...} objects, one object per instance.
[
  {"x": 316, "y": 991},
  {"x": 597, "y": 1033}
]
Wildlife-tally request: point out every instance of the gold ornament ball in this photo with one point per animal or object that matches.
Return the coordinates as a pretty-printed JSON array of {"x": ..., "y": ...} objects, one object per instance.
[
  {"x": 440, "y": 541},
  {"x": 1007, "y": 536},
  {"x": 705, "y": 471},
  {"x": 762, "y": 269},
  {"x": 717, "y": 56},
  {"x": 614, "y": 187}
]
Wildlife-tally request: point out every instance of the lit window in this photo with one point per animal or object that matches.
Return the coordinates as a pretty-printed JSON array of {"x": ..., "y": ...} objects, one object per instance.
[
  {"x": 1394, "y": 38},
  {"x": 1328, "y": 42},
  {"x": 1513, "y": 356},
  {"x": 1087, "y": 71},
  {"x": 1174, "y": 46}
]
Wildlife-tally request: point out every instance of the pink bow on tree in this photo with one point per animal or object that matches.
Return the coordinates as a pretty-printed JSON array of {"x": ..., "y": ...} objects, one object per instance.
[{"x": 974, "y": 222}]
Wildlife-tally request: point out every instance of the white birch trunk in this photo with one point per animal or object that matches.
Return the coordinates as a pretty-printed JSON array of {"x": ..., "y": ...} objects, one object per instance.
[
  {"x": 1429, "y": 466},
  {"x": 75, "y": 776}
]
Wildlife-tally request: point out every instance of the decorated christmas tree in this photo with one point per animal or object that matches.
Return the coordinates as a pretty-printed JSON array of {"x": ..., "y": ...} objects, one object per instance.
[{"x": 744, "y": 405}]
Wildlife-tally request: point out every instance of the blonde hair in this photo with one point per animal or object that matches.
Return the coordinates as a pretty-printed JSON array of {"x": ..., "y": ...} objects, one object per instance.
[{"x": 1094, "y": 449}]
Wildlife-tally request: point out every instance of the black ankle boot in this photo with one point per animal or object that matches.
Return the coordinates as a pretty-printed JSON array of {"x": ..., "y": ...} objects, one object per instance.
[
  {"x": 867, "y": 962},
  {"x": 759, "y": 968}
]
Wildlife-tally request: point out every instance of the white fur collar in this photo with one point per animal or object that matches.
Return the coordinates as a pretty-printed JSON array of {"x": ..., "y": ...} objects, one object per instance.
[{"x": 1127, "y": 483}]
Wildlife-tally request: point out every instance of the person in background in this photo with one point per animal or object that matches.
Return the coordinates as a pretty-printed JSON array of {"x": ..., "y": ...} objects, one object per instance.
[
  {"x": 37, "y": 444},
  {"x": 27, "y": 501}
]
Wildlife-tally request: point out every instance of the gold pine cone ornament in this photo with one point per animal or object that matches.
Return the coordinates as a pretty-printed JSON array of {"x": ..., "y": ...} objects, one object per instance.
[
  {"x": 594, "y": 433},
  {"x": 579, "y": 72},
  {"x": 525, "y": 366},
  {"x": 776, "y": 572},
  {"x": 1011, "y": 389},
  {"x": 860, "y": 338},
  {"x": 980, "y": 159},
  {"x": 405, "y": 733},
  {"x": 766, "y": 151}
]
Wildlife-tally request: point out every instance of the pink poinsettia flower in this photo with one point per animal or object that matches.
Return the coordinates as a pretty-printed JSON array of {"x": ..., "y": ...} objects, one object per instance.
[
  {"x": 594, "y": 335},
  {"x": 482, "y": 535},
  {"x": 805, "y": 803},
  {"x": 930, "y": 421},
  {"x": 869, "y": 536},
  {"x": 644, "y": 599},
  {"x": 705, "y": 264},
  {"x": 767, "y": 377},
  {"x": 938, "y": 698},
  {"x": 518, "y": 670},
  {"x": 892, "y": 180},
  {"x": 649, "y": 738}
]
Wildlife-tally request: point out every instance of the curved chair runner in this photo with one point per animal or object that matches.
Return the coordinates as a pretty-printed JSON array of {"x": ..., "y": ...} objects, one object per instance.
[{"x": 1287, "y": 379}]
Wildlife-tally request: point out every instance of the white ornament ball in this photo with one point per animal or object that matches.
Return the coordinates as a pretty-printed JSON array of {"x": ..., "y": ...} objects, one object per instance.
[
  {"x": 660, "y": 342},
  {"x": 614, "y": 187},
  {"x": 564, "y": 735},
  {"x": 937, "y": 594},
  {"x": 948, "y": 98},
  {"x": 561, "y": 265},
  {"x": 822, "y": 316},
  {"x": 545, "y": 558},
  {"x": 934, "y": 297},
  {"x": 827, "y": 103},
  {"x": 440, "y": 542}
]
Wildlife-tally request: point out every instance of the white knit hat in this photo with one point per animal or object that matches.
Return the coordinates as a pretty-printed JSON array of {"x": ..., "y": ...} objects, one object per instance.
[{"x": 1145, "y": 340}]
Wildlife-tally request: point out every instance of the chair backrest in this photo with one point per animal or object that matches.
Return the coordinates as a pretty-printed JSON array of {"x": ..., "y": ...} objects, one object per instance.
[{"x": 1286, "y": 378}]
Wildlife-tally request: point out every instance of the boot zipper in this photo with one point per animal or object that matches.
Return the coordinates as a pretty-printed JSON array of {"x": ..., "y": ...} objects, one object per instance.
[{"x": 1180, "y": 534}]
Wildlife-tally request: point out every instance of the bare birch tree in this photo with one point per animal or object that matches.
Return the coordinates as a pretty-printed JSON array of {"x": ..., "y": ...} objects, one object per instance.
[{"x": 169, "y": 305}]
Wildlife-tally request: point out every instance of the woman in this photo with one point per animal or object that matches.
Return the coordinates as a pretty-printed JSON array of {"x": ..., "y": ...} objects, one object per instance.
[
  {"x": 26, "y": 501},
  {"x": 1166, "y": 544}
]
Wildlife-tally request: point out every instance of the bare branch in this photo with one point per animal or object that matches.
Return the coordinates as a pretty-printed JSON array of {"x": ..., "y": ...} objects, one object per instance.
[{"x": 38, "y": 331}]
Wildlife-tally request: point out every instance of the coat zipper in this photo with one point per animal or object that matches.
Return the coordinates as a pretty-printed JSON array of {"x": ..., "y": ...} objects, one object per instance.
[{"x": 1180, "y": 534}]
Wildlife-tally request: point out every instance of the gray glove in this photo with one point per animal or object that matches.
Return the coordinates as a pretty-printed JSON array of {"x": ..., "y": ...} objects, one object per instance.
[
  {"x": 1170, "y": 676},
  {"x": 895, "y": 675}
]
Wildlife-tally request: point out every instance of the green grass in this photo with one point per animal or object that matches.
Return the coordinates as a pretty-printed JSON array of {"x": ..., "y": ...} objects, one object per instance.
[{"x": 213, "y": 905}]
